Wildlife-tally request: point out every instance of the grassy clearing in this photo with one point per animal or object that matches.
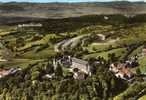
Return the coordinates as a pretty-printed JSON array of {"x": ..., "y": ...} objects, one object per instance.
[
  {"x": 6, "y": 30},
  {"x": 96, "y": 47},
  {"x": 131, "y": 92},
  {"x": 45, "y": 40},
  {"x": 120, "y": 52},
  {"x": 142, "y": 98},
  {"x": 39, "y": 55},
  {"x": 136, "y": 51},
  {"x": 18, "y": 63}
]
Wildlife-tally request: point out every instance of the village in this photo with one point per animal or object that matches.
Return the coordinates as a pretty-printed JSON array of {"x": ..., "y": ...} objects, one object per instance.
[{"x": 81, "y": 68}]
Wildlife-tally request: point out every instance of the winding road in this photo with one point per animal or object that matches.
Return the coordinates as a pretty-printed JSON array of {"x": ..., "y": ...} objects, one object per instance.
[{"x": 73, "y": 42}]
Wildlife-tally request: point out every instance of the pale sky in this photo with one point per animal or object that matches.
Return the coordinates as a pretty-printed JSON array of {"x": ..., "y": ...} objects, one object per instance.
[{"x": 44, "y": 1}]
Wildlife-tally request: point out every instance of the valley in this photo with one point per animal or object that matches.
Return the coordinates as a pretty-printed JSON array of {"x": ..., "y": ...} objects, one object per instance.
[{"x": 46, "y": 54}]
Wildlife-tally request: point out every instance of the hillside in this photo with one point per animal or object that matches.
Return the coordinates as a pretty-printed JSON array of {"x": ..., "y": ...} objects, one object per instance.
[
  {"x": 59, "y": 10},
  {"x": 91, "y": 38}
]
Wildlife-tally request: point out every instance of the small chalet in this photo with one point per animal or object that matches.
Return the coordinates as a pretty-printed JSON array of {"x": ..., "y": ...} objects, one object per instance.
[{"x": 121, "y": 70}]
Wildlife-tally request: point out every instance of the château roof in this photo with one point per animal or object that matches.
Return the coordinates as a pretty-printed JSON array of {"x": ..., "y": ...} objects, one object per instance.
[{"x": 76, "y": 60}]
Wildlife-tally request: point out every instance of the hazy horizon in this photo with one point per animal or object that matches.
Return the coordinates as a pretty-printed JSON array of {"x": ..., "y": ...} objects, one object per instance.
[{"x": 67, "y": 1}]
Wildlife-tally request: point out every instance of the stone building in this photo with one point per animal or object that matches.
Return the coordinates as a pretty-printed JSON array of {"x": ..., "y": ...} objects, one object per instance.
[
  {"x": 73, "y": 63},
  {"x": 82, "y": 65}
]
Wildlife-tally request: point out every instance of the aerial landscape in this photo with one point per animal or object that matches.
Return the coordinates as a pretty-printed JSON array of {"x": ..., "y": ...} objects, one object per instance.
[{"x": 73, "y": 50}]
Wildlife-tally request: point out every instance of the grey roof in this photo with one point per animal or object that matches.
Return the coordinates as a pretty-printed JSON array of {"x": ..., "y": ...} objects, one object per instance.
[{"x": 76, "y": 60}]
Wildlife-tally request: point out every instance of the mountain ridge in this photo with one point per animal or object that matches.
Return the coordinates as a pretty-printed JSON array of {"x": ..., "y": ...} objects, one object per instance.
[
  {"x": 29, "y": 11},
  {"x": 58, "y": 10}
]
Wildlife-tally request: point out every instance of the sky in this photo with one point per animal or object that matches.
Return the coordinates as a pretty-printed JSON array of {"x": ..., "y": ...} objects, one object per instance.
[{"x": 45, "y": 1}]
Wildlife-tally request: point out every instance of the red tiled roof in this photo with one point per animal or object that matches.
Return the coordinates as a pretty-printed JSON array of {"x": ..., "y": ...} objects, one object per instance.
[
  {"x": 123, "y": 69},
  {"x": 4, "y": 72}
]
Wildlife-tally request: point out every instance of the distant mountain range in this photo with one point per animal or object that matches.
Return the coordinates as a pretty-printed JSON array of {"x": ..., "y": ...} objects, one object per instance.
[
  {"x": 63, "y": 10},
  {"x": 59, "y": 10}
]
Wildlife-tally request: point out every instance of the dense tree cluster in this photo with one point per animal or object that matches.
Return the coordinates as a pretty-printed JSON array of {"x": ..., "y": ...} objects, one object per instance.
[{"x": 31, "y": 84}]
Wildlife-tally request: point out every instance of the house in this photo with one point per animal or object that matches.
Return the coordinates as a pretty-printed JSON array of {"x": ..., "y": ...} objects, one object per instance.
[
  {"x": 113, "y": 68},
  {"x": 4, "y": 72},
  {"x": 121, "y": 70}
]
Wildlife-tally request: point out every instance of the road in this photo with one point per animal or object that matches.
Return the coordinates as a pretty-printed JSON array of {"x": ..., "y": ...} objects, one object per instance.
[{"x": 73, "y": 42}]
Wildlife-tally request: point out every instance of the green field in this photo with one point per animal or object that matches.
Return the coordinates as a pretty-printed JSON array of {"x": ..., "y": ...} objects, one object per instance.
[
  {"x": 87, "y": 38},
  {"x": 142, "y": 98},
  {"x": 120, "y": 52},
  {"x": 143, "y": 64}
]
